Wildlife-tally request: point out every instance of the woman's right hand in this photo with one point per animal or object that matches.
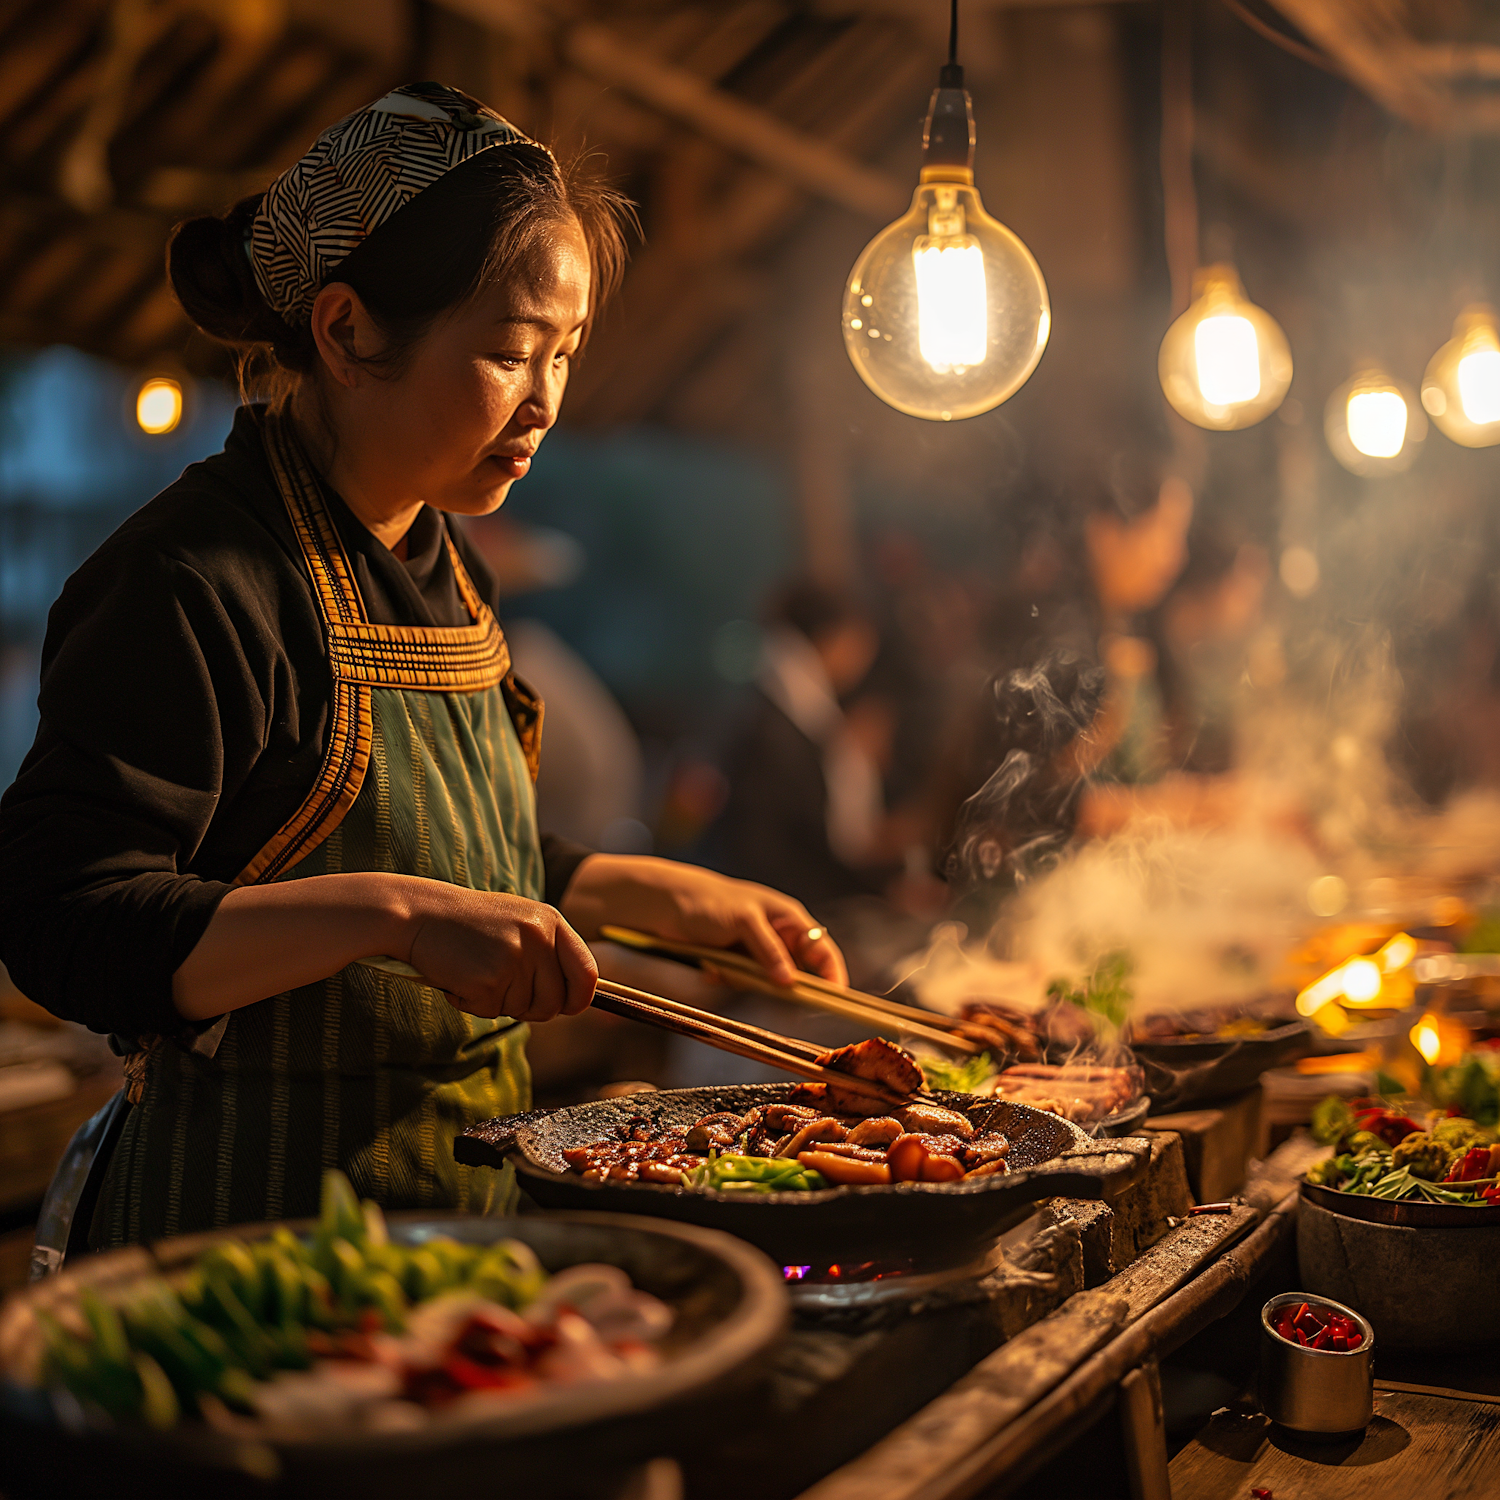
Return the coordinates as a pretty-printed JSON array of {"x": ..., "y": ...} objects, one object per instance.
[
  {"x": 499, "y": 955},
  {"x": 492, "y": 955}
]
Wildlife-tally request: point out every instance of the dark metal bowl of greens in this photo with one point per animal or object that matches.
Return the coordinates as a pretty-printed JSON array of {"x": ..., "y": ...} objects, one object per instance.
[
  {"x": 1386, "y": 1168},
  {"x": 249, "y": 1362}
]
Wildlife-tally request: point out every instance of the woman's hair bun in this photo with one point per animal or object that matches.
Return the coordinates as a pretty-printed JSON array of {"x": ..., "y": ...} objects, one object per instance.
[{"x": 213, "y": 280}]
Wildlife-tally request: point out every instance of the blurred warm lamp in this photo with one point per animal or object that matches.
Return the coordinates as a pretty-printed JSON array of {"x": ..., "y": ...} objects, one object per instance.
[
  {"x": 1440, "y": 1039},
  {"x": 946, "y": 312},
  {"x": 1373, "y": 424},
  {"x": 158, "y": 405},
  {"x": 1224, "y": 363},
  {"x": 1461, "y": 389}
]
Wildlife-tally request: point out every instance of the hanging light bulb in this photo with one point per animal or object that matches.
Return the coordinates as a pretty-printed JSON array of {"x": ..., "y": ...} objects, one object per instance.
[
  {"x": 945, "y": 311},
  {"x": 1224, "y": 363},
  {"x": 1461, "y": 388},
  {"x": 1373, "y": 424}
]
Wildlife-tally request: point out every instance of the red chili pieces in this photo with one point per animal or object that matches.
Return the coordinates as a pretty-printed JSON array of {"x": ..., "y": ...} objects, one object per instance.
[
  {"x": 1262, "y": 1494},
  {"x": 1471, "y": 1166},
  {"x": 1317, "y": 1327}
]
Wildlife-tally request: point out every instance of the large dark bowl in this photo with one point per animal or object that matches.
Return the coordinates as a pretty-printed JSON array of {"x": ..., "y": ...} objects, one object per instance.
[
  {"x": 574, "y": 1441},
  {"x": 927, "y": 1221},
  {"x": 1423, "y": 1285}
]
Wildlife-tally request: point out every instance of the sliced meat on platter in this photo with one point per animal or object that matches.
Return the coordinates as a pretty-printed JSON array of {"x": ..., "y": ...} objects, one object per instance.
[{"x": 1081, "y": 1092}]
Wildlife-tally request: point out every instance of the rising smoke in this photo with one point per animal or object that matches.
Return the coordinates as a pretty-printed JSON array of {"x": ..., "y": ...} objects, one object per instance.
[{"x": 1206, "y": 911}]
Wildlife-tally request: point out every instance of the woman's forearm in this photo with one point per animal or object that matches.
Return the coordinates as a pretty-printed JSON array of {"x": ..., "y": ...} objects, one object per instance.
[{"x": 265, "y": 939}]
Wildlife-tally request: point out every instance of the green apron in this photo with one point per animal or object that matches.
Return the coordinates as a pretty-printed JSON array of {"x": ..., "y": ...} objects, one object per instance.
[{"x": 429, "y": 771}]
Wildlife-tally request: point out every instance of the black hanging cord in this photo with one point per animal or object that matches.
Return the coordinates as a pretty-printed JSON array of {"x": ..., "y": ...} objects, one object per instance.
[{"x": 952, "y": 76}]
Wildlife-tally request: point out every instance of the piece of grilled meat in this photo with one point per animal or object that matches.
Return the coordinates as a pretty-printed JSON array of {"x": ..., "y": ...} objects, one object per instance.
[{"x": 879, "y": 1060}]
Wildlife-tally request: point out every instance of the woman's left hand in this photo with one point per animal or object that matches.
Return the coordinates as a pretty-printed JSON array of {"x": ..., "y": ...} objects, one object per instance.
[{"x": 693, "y": 905}]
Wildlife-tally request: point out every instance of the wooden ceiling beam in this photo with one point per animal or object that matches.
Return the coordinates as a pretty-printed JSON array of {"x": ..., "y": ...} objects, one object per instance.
[
  {"x": 742, "y": 128},
  {"x": 1410, "y": 78},
  {"x": 727, "y": 229},
  {"x": 738, "y": 126}
]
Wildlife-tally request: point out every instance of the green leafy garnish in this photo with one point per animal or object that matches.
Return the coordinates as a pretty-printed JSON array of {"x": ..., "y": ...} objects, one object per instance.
[
  {"x": 958, "y": 1077},
  {"x": 1106, "y": 992}
]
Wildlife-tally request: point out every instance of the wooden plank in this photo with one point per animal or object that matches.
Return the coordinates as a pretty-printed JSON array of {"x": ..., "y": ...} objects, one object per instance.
[
  {"x": 1446, "y": 1392},
  {"x": 1173, "y": 1261},
  {"x": 1145, "y": 1433},
  {"x": 1269, "y": 1181},
  {"x": 1370, "y": 44},
  {"x": 741, "y": 127},
  {"x": 1419, "y": 1447}
]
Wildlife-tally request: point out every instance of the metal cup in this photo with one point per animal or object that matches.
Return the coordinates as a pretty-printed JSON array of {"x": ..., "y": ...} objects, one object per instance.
[{"x": 1316, "y": 1390}]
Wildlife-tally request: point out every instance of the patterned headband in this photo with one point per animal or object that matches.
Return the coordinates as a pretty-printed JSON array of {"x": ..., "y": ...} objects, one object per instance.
[{"x": 354, "y": 177}]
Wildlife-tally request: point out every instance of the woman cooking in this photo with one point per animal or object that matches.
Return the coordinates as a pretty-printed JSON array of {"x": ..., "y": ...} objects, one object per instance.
[{"x": 279, "y": 730}]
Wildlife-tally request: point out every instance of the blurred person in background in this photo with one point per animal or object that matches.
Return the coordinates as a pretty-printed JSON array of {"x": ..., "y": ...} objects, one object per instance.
[
  {"x": 804, "y": 798},
  {"x": 1078, "y": 604},
  {"x": 1116, "y": 699}
]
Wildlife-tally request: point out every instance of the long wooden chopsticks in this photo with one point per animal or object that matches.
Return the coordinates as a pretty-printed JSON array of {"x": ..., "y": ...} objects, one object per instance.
[
  {"x": 728, "y": 1035},
  {"x": 811, "y": 989},
  {"x": 790, "y": 1054}
]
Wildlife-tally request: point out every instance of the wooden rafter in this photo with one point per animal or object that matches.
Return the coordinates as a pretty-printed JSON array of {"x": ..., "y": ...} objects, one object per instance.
[
  {"x": 738, "y": 126},
  {"x": 687, "y": 291},
  {"x": 1372, "y": 42}
]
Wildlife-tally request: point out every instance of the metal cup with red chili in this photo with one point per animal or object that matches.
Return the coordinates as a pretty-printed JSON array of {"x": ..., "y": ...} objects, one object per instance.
[{"x": 1314, "y": 1325}]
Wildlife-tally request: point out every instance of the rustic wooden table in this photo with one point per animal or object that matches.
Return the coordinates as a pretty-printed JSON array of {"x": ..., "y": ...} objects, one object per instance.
[{"x": 1424, "y": 1444}]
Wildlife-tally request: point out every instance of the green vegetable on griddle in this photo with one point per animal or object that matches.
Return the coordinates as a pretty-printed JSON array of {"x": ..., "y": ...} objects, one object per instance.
[
  {"x": 959, "y": 1077},
  {"x": 1106, "y": 992}
]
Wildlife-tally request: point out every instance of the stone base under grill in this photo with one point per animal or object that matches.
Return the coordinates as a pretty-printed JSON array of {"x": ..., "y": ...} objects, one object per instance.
[{"x": 863, "y": 1356}]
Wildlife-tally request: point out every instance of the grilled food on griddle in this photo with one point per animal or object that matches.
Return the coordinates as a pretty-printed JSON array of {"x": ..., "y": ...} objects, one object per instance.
[{"x": 790, "y": 1147}]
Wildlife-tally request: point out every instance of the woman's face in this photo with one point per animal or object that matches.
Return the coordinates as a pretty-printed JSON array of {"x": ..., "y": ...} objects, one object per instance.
[{"x": 458, "y": 425}]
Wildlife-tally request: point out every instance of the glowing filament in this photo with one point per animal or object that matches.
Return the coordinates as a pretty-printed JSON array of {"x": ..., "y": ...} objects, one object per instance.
[
  {"x": 952, "y": 307},
  {"x": 158, "y": 405},
  {"x": 1479, "y": 386},
  {"x": 1377, "y": 423},
  {"x": 1228, "y": 359}
]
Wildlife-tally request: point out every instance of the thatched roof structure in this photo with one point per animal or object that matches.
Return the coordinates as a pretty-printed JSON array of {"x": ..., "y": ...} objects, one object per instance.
[{"x": 765, "y": 140}]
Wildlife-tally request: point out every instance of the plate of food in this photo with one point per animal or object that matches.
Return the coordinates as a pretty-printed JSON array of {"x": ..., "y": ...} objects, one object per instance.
[
  {"x": 1194, "y": 1057},
  {"x": 808, "y": 1174},
  {"x": 307, "y": 1360},
  {"x": 1104, "y": 1099}
]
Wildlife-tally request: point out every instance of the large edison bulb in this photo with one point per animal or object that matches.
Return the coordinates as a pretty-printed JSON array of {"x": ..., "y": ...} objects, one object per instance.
[
  {"x": 1224, "y": 363},
  {"x": 945, "y": 311},
  {"x": 1461, "y": 388},
  {"x": 1373, "y": 424}
]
